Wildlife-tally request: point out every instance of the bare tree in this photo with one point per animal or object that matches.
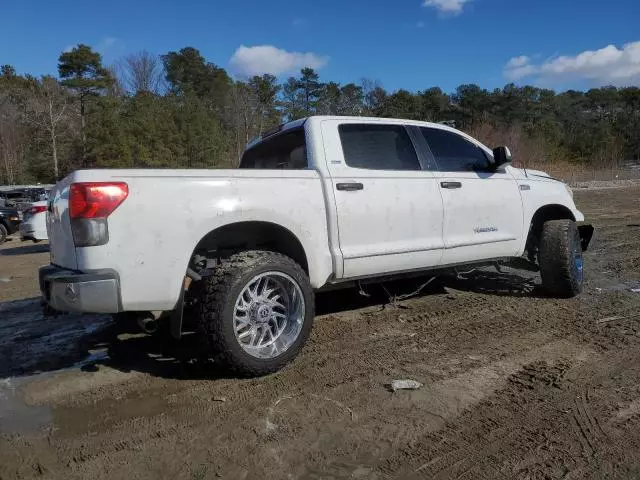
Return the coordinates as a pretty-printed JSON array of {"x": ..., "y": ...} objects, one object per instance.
[
  {"x": 47, "y": 109},
  {"x": 142, "y": 72},
  {"x": 373, "y": 94},
  {"x": 116, "y": 88},
  {"x": 12, "y": 139},
  {"x": 253, "y": 108},
  {"x": 243, "y": 113}
]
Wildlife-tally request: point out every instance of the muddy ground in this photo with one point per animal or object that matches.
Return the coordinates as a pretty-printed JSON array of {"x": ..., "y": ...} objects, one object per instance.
[{"x": 516, "y": 385}]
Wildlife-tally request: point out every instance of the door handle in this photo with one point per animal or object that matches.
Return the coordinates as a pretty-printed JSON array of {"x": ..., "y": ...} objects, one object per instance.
[
  {"x": 451, "y": 184},
  {"x": 349, "y": 187}
]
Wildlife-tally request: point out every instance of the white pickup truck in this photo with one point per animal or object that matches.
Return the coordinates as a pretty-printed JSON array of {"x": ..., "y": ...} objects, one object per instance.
[{"x": 315, "y": 203}]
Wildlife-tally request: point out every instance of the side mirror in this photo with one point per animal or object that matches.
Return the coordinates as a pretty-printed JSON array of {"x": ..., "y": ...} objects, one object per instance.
[{"x": 502, "y": 156}]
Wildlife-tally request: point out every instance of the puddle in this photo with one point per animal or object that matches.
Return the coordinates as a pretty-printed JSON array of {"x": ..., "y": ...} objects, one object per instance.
[
  {"x": 15, "y": 415},
  {"x": 18, "y": 417},
  {"x": 31, "y": 343},
  {"x": 34, "y": 347}
]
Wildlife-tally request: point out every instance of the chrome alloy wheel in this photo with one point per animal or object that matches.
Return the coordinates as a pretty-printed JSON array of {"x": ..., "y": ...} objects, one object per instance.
[{"x": 268, "y": 314}]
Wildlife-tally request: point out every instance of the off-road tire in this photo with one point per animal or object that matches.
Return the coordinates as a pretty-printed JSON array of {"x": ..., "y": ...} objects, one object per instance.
[
  {"x": 3, "y": 234},
  {"x": 214, "y": 300},
  {"x": 560, "y": 274}
]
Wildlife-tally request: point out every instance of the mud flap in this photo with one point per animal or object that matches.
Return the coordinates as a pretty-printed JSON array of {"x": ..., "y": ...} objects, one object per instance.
[
  {"x": 586, "y": 233},
  {"x": 177, "y": 313}
]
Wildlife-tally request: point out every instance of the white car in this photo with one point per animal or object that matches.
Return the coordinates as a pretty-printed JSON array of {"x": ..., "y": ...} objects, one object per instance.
[
  {"x": 316, "y": 204},
  {"x": 34, "y": 222}
]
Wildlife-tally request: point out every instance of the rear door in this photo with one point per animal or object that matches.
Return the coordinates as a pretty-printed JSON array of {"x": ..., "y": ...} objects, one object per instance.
[
  {"x": 389, "y": 209},
  {"x": 483, "y": 214},
  {"x": 61, "y": 247}
]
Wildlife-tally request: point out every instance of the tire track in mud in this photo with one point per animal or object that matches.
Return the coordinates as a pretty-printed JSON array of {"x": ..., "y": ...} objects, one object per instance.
[
  {"x": 426, "y": 410},
  {"x": 515, "y": 434},
  {"x": 368, "y": 354},
  {"x": 521, "y": 373},
  {"x": 372, "y": 359},
  {"x": 588, "y": 429}
]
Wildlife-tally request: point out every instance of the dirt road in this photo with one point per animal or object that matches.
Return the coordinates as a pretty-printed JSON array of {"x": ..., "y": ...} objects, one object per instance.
[{"x": 516, "y": 385}]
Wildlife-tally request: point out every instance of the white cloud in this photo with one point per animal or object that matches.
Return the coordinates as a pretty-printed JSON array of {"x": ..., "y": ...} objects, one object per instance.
[
  {"x": 517, "y": 62},
  {"x": 269, "y": 59},
  {"x": 608, "y": 65},
  {"x": 447, "y": 6},
  {"x": 105, "y": 44}
]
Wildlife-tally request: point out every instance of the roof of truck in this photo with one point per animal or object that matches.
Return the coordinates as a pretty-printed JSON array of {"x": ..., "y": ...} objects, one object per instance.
[{"x": 301, "y": 121}]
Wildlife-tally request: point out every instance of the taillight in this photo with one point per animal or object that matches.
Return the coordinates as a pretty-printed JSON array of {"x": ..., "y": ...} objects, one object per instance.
[
  {"x": 37, "y": 209},
  {"x": 89, "y": 206},
  {"x": 96, "y": 200}
]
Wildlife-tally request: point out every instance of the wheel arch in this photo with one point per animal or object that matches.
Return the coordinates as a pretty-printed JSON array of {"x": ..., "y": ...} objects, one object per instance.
[
  {"x": 542, "y": 215},
  {"x": 253, "y": 235},
  {"x": 243, "y": 235}
]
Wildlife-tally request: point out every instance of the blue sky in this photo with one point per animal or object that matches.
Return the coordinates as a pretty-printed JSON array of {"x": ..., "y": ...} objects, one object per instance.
[{"x": 413, "y": 44}]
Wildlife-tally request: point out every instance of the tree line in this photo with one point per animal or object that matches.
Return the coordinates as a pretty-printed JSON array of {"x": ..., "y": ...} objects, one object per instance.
[{"x": 179, "y": 110}]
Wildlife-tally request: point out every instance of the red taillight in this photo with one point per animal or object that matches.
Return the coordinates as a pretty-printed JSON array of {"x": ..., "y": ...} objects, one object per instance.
[
  {"x": 96, "y": 200},
  {"x": 37, "y": 209}
]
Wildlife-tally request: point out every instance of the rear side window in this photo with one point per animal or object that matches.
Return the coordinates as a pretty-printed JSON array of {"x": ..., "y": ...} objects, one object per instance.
[
  {"x": 285, "y": 151},
  {"x": 453, "y": 152},
  {"x": 378, "y": 147}
]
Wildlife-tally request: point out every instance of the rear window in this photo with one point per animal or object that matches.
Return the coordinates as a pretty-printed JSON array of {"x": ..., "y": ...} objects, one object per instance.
[
  {"x": 378, "y": 147},
  {"x": 285, "y": 151}
]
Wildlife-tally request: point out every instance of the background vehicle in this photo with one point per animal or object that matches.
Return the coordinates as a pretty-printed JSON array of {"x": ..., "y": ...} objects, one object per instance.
[
  {"x": 9, "y": 222},
  {"x": 34, "y": 222},
  {"x": 22, "y": 198},
  {"x": 316, "y": 203}
]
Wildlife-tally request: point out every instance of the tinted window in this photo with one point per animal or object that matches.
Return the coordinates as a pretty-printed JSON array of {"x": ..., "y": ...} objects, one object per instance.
[
  {"x": 285, "y": 151},
  {"x": 453, "y": 152},
  {"x": 378, "y": 147}
]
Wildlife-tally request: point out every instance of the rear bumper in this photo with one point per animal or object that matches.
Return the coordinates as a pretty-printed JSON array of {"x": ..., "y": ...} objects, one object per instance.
[
  {"x": 69, "y": 291},
  {"x": 30, "y": 232}
]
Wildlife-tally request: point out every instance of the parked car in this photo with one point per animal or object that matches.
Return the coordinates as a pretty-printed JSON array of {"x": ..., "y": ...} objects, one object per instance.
[
  {"x": 22, "y": 198},
  {"x": 34, "y": 222},
  {"x": 9, "y": 222},
  {"x": 317, "y": 203}
]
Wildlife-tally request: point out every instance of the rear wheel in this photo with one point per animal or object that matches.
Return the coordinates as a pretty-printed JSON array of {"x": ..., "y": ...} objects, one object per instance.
[
  {"x": 3, "y": 233},
  {"x": 560, "y": 258},
  {"x": 255, "y": 313}
]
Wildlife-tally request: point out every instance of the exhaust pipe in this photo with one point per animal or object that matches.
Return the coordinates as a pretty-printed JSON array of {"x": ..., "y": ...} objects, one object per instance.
[{"x": 147, "y": 323}]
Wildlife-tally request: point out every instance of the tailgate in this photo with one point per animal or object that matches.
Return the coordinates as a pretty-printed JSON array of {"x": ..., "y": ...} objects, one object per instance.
[{"x": 61, "y": 246}]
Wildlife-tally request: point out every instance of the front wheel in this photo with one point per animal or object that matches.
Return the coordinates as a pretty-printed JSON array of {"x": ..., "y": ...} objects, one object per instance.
[
  {"x": 560, "y": 258},
  {"x": 255, "y": 313}
]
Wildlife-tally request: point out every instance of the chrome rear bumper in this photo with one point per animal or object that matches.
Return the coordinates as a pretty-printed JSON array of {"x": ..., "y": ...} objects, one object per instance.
[{"x": 68, "y": 291}]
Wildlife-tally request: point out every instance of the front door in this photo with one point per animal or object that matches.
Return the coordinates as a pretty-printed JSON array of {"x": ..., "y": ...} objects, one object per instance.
[
  {"x": 483, "y": 214},
  {"x": 389, "y": 209}
]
